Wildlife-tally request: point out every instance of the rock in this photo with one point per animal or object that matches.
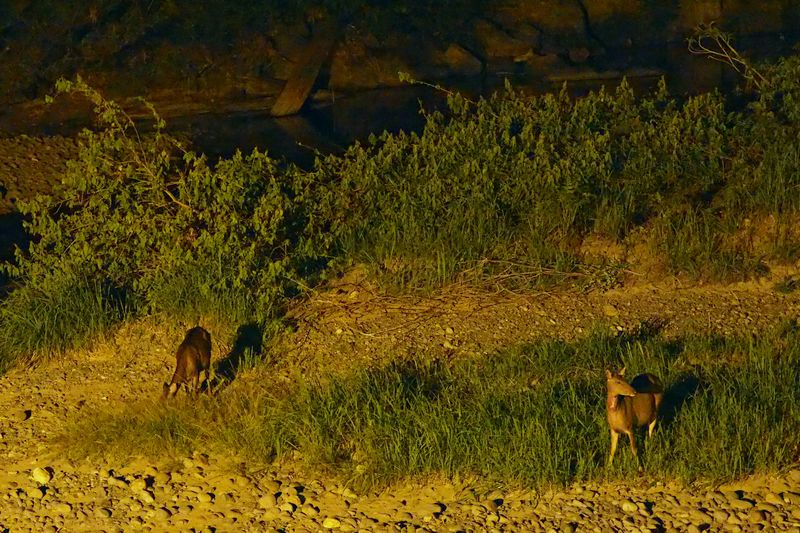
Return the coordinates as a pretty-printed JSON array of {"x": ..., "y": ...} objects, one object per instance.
[
  {"x": 756, "y": 516},
  {"x": 629, "y": 507},
  {"x": 271, "y": 514},
  {"x": 792, "y": 498},
  {"x": 773, "y": 498},
  {"x": 309, "y": 510},
  {"x": 102, "y": 512},
  {"x": 331, "y": 523},
  {"x": 268, "y": 501},
  {"x": 741, "y": 505},
  {"x": 579, "y": 54},
  {"x": 35, "y": 493},
  {"x": 146, "y": 497},
  {"x": 495, "y": 43},
  {"x": 137, "y": 485},
  {"x": 205, "y": 497},
  {"x": 62, "y": 508},
  {"x": 41, "y": 476},
  {"x": 22, "y": 415},
  {"x": 428, "y": 510},
  {"x": 721, "y": 516},
  {"x": 270, "y": 485},
  {"x": 162, "y": 514},
  {"x": 288, "y": 507},
  {"x": 610, "y": 311},
  {"x": 460, "y": 62}
]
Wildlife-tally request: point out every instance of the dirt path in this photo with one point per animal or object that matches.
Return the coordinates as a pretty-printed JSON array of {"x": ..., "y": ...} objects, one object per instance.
[{"x": 40, "y": 491}]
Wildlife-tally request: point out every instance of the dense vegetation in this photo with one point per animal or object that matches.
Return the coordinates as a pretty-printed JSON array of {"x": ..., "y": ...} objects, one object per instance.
[
  {"x": 504, "y": 189},
  {"x": 533, "y": 414}
]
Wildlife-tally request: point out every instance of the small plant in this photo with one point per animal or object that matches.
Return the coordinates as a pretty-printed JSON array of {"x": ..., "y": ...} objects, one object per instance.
[{"x": 788, "y": 285}]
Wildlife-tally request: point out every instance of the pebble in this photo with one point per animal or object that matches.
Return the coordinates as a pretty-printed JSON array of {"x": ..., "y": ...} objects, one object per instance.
[
  {"x": 629, "y": 507},
  {"x": 331, "y": 523},
  {"x": 41, "y": 476},
  {"x": 62, "y": 508},
  {"x": 267, "y": 501}
]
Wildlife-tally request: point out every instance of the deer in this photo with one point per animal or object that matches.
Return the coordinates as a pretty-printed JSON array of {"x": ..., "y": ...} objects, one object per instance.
[
  {"x": 192, "y": 357},
  {"x": 630, "y": 406}
]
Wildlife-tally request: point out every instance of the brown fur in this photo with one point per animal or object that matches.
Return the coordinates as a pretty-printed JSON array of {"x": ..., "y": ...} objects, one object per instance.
[
  {"x": 629, "y": 406},
  {"x": 193, "y": 356}
]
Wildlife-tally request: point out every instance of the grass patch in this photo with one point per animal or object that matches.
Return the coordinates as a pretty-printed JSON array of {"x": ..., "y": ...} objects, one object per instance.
[
  {"x": 531, "y": 415},
  {"x": 70, "y": 313}
]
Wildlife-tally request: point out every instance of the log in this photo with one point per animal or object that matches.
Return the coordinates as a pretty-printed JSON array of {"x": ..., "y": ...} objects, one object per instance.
[{"x": 298, "y": 87}]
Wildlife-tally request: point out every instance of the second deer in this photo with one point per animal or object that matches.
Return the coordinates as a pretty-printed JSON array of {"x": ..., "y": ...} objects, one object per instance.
[
  {"x": 631, "y": 405},
  {"x": 192, "y": 358}
]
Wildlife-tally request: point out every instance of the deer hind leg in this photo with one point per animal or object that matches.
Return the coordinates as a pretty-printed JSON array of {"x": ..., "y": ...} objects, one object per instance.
[
  {"x": 614, "y": 440},
  {"x": 196, "y": 384},
  {"x": 208, "y": 383},
  {"x": 632, "y": 438},
  {"x": 651, "y": 427}
]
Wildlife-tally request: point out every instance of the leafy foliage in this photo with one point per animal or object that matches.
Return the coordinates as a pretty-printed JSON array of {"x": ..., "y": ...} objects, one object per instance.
[
  {"x": 150, "y": 221},
  {"x": 505, "y": 188}
]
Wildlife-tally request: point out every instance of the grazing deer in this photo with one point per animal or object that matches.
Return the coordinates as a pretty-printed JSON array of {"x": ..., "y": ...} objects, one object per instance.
[
  {"x": 193, "y": 356},
  {"x": 630, "y": 406}
]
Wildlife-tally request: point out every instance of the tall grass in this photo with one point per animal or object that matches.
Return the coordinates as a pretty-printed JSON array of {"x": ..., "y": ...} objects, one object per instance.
[
  {"x": 531, "y": 415},
  {"x": 69, "y": 314}
]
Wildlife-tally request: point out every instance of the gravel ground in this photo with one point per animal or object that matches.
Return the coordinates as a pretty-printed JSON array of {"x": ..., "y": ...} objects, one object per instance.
[{"x": 42, "y": 491}]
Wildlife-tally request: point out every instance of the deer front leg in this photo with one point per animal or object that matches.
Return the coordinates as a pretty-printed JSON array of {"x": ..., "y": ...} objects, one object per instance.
[
  {"x": 614, "y": 439},
  {"x": 632, "y": 438}
]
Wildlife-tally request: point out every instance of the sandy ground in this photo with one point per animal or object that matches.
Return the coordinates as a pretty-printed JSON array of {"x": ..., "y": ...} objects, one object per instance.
[{"x": 338, "y": 330}]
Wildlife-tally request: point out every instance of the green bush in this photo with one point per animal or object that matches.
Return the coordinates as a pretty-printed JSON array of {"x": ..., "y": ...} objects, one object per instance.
[
  {"x": 504, "y": 190},
  {"x": 138, "y": 215}
]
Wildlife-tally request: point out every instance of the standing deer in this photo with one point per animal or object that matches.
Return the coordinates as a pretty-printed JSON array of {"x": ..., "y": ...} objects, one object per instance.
[
  {"x": 193, "y": 356},
  {"x": 630, "y": 406}
]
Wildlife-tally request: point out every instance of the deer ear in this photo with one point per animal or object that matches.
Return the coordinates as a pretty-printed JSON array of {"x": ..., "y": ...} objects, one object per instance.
[
  {"x": 608, "y": 374},
  {"x": 622, "y": 372}
]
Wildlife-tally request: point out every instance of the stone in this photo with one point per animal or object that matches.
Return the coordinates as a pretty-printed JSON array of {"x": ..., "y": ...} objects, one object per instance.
[
  {"x": 331, "y": 523},
  {"x": 62, "y": 508},
  {"x": 41, "y": 476},
  {"x": 756, "y": 516},
  {"x": 428, "y": 510},
  {"x": 102, "y": 512},
  {"x": 629, "y": 507},
  {"x": 138, "y": 485},
  {"x": 460, "y": 62},
  {"x": 268, "y": 501},
  {"x": 741, "y": 505},
  {"x": 205, "y": 497},
  {"x": 610, "y": 311},
  {"x": 309, "y": 510},
  {"x": 496, "y": 43},
  {"x": 792, "y": 498},
  {"x": 162, "y": 514},
  {"x": 35, "y": 493}
]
